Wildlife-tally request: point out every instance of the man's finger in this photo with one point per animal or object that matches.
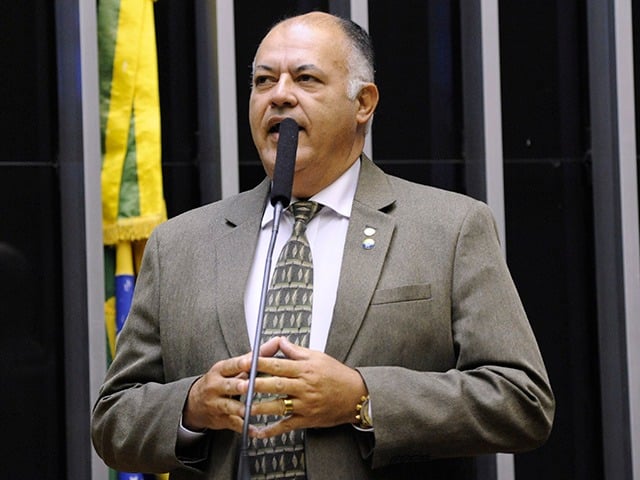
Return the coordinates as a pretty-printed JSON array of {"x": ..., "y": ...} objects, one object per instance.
[
  {"x": 293, "y": 351},
  {"x": 270, "y": 348}
]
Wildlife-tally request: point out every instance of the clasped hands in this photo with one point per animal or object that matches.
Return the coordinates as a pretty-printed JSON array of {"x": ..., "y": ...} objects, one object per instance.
[{"x": 323, "y": 391}]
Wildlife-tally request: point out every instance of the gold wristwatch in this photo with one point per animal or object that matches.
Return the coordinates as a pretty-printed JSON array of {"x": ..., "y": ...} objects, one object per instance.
[{"x": 363, "y": 417}]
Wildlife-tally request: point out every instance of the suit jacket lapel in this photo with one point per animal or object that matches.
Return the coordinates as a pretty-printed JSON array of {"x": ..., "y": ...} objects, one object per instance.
[
  {"x": 235, "y": 252},
  {"x": 361, "y": 267}
]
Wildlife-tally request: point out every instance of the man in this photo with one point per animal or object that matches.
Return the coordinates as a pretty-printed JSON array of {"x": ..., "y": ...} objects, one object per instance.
[{"x": 414, "y": 310}]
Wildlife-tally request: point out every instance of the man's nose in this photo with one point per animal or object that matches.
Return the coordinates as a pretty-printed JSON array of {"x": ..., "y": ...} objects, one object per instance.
[{"x": 283, "y": 93}]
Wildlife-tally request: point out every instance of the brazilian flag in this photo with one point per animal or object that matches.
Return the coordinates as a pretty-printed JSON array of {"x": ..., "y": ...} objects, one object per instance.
[{"x": 131, "y": 176}]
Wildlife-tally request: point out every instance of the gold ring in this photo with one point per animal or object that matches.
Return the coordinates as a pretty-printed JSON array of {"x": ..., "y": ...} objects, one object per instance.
[{"x": 287, "y": 407}]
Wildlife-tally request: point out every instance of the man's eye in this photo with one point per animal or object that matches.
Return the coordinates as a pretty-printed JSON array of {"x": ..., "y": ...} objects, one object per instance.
[
  {"x": 306, "y": 78},
  {"x": 262, "y": 80}
]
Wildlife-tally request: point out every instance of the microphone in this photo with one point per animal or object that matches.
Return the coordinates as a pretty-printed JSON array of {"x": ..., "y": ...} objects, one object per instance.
[
  {"x": 285, "y": 162},
  {"x": 281, "y": 185}
]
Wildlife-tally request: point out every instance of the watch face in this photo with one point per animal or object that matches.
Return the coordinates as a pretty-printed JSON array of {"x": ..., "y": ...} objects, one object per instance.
[{"x": 366, "y": 418}]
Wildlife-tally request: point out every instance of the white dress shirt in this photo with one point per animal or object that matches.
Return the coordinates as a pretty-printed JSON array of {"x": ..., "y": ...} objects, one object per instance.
[{"x": 326, "y": 233}]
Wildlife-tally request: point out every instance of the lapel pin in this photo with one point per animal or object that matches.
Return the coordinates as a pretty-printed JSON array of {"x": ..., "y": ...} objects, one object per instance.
[{"x": 368, "y": 243}]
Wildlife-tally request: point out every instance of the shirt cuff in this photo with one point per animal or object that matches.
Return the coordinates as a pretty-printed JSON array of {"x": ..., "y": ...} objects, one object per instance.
[
  {"x": 188, "y": 438},
  {"x": 191, "y": 446}
]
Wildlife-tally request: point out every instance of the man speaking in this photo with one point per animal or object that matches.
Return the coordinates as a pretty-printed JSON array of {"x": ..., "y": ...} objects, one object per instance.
[{"x": 393, "y": 344}]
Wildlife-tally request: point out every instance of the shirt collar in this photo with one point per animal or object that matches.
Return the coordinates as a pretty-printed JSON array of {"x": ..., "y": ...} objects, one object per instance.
[{"x": 338, "y": 196}]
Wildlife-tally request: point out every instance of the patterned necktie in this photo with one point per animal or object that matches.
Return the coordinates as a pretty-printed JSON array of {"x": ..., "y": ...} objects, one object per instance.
[{"x": 287, "y": 313}]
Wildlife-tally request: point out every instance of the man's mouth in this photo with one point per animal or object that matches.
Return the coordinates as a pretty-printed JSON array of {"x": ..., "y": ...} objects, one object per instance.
[{"x": 276, "y": 128}]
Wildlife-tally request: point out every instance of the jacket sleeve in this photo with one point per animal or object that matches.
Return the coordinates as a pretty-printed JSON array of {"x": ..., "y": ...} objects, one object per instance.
[{"x": 136, "y": 417}]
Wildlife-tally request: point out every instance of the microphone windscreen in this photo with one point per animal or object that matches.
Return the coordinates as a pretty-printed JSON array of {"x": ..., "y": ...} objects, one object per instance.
[{"x": 285, "y": 162}]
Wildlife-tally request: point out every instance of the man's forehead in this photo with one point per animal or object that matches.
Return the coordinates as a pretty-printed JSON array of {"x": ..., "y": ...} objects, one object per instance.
[
  {"x": 317, "y": 21},
  {"x": 306, "y": 34},
  {"x": 305, "y": 47}
]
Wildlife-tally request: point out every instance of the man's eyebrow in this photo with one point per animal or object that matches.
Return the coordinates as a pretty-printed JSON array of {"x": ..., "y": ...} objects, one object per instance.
[
  {"x": 301, "y": 68},
  {"x": 263, "y": 67},
  {"x": 307, "y": 66}
]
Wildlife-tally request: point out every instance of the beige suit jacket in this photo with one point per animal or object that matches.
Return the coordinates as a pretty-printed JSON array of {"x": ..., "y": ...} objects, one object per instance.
[{"x": 429, "y": 316}]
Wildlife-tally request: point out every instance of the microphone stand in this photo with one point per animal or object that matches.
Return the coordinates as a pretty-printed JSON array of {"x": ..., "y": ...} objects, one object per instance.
[{"x": 243, "y": 460}]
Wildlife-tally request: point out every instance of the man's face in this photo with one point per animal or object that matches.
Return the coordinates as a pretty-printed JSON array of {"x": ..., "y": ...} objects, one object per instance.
[{"x": 301, "y": 72}]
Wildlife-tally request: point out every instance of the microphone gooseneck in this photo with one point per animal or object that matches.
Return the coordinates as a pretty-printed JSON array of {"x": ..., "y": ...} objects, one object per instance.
[{"x": 280, "y": 197}]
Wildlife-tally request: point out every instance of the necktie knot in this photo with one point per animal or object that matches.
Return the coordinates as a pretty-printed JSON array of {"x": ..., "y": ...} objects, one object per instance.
[{"x": 303, "y": 211}]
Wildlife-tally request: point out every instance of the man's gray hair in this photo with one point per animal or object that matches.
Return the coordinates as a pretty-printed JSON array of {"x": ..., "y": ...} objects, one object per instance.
[{"x": 361, "y": 57}]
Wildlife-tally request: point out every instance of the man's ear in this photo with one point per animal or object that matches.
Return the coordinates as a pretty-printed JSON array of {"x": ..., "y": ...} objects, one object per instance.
[{"x": 367, "y": 102}]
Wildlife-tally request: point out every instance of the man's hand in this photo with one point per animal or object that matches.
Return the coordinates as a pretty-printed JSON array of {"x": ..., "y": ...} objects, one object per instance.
[
  {"x": 211, "y": 403},
  {"x": 324, "y": 391}
]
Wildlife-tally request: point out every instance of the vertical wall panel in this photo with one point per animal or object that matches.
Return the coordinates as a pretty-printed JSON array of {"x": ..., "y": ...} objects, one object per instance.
[
  {"x": 608, "y": 103},
  {"x": 184, "y": 137},
  {"x": 227, "y": 98},
  {"x": 31, "y": 354},
  {"x": 31, "y": 366},
  {"x": 418, "y": 123},
  {"x": 550, "y": 250},
  {"x": 79, "y": 163},
  {"x": 359, "y": 13},
  {"x": 628, "y": 188},
  {"x": 633, "y": 334},
  {"x": 483, "y": 142}
]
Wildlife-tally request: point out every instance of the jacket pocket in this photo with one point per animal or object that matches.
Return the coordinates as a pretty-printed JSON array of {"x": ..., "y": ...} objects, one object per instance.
[{"x": 404, "y": 293}]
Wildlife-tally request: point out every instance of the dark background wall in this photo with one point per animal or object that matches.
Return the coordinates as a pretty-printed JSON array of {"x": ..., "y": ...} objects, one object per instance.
[
  {"x": 418, "y": 134},
  {"x": 31, "y": 376},
  {"x": 549, "y": 219}
]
